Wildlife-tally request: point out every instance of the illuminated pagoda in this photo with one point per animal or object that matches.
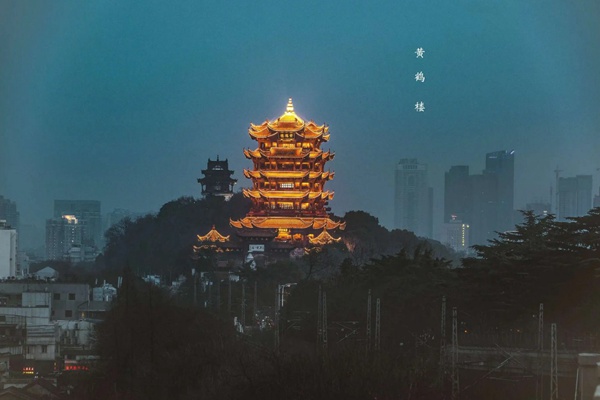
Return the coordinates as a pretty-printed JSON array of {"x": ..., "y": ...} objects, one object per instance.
[
  {"x": 289, "y": 203},
  {"x": 217, "y": 179}
]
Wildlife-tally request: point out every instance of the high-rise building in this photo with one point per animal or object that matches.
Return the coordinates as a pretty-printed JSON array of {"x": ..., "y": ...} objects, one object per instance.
[
  {"x": 574, "y": 196},
  {"x": 485, "y": 202},
  {"x": 484, "y": 209},
  {"x": 457, "y": 194},
  {"x": 413, "y": 198},
  {"x": 88, "y": 214},
  {"x": 539, "y": 208},
  {"x": 9, "y": 213},
  {"x": 117, "y": 215},
  {"x": 217, "y": 180},
  {"x": 62, "y": 234},
  {"x": 8, "y": 250},
  {"x": 501, "y": 164},
  {"x": 597, "y": 199},
  {"x": 455, "y": 234}
]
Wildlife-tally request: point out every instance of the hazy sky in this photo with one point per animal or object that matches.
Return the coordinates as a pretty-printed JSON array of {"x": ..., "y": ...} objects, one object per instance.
[{"x": 124, "y": 101}]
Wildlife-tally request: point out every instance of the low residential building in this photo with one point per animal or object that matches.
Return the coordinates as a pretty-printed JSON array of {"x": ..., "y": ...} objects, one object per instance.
[
  {"x": 106, "y": 292},
  {"x": 47, "y": 273},
  {"x": 65, "y": 297}
]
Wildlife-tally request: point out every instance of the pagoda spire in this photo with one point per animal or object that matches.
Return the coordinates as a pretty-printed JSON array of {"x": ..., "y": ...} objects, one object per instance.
[
  {"x": 290, "y": 107},
  {"x": 287, "y": 181}
]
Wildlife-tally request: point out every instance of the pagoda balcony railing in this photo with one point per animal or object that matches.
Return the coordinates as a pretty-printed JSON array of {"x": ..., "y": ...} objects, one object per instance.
[{"x": 269, "y": 212}]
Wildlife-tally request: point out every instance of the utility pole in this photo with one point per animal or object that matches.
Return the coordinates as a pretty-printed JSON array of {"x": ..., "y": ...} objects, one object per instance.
[
  {"x": 443, "y": 342},
  {"x": 229, "y": 294},
  {"x": 378, "y": 325},
  {"x": 320, "y": 318},
  {"x": 553, "y": 363},
  {"x": 195, "y": 278},
  {"x": 218, "y": 295},
  {"x": 455, "y": 378},
  {"x": 540, "y": 343},
  {"x": 277, "y": 317},
  {"x": 255, "y": 303},
  {"x": 243, "y": 318},
  {"x": 368, "y": 322},
  {"x": 325, "y": 320},
  {"x": 210, "y": 284}
]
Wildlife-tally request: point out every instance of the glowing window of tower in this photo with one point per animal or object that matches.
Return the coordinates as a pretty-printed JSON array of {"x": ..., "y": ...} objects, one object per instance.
[{"x": 286, "y": 185}]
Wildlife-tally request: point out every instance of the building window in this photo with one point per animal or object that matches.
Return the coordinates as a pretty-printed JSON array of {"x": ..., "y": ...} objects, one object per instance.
[
  {"x": 71, "y": 296},
  {"x": 56, "y": 296},
  {"x": 68, "y": 313},
  {"x": 44, "y": 348}
]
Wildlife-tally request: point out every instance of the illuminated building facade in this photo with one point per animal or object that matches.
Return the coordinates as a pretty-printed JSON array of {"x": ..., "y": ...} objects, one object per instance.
[
  {"x": 455, "y": 234},
  {"x": 217, "y": 180},
  {"x": 62, "y": 235},
  {"x": 289, "y": 202},
  {"x": 88, "y": 214}
]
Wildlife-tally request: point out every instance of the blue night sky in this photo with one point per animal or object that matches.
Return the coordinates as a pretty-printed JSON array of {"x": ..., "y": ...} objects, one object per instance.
[{"x": 124, "y": 101}]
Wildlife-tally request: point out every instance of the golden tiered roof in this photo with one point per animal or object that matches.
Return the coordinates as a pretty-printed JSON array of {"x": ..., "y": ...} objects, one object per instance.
[
  {"x": 213, "y": 236},
  {"x": 322, "y": 239},
  {"x": 287, "y": 194},
  {"x": 326, "y": 175},
  {"x": 294, "y": 153},
  {"x": 275, "y": 222},
  {"x": 288, "y": 179},
  {"x": 289, "y": 122},
  {"x": 210, "y": 242}
]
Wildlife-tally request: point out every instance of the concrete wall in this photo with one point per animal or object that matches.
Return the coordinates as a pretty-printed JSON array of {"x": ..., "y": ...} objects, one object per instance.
[
  {"x": 33, "y": 315},
  {"x": 36, "y": 299},
  {"x": 8, "y": 252},
  {"x": 66, "y": 297}
]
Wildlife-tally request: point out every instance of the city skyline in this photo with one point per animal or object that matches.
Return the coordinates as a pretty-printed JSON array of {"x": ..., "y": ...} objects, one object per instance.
[
  {"x": 460, "y": 172},
  {"x": 124, "y": 105}
]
